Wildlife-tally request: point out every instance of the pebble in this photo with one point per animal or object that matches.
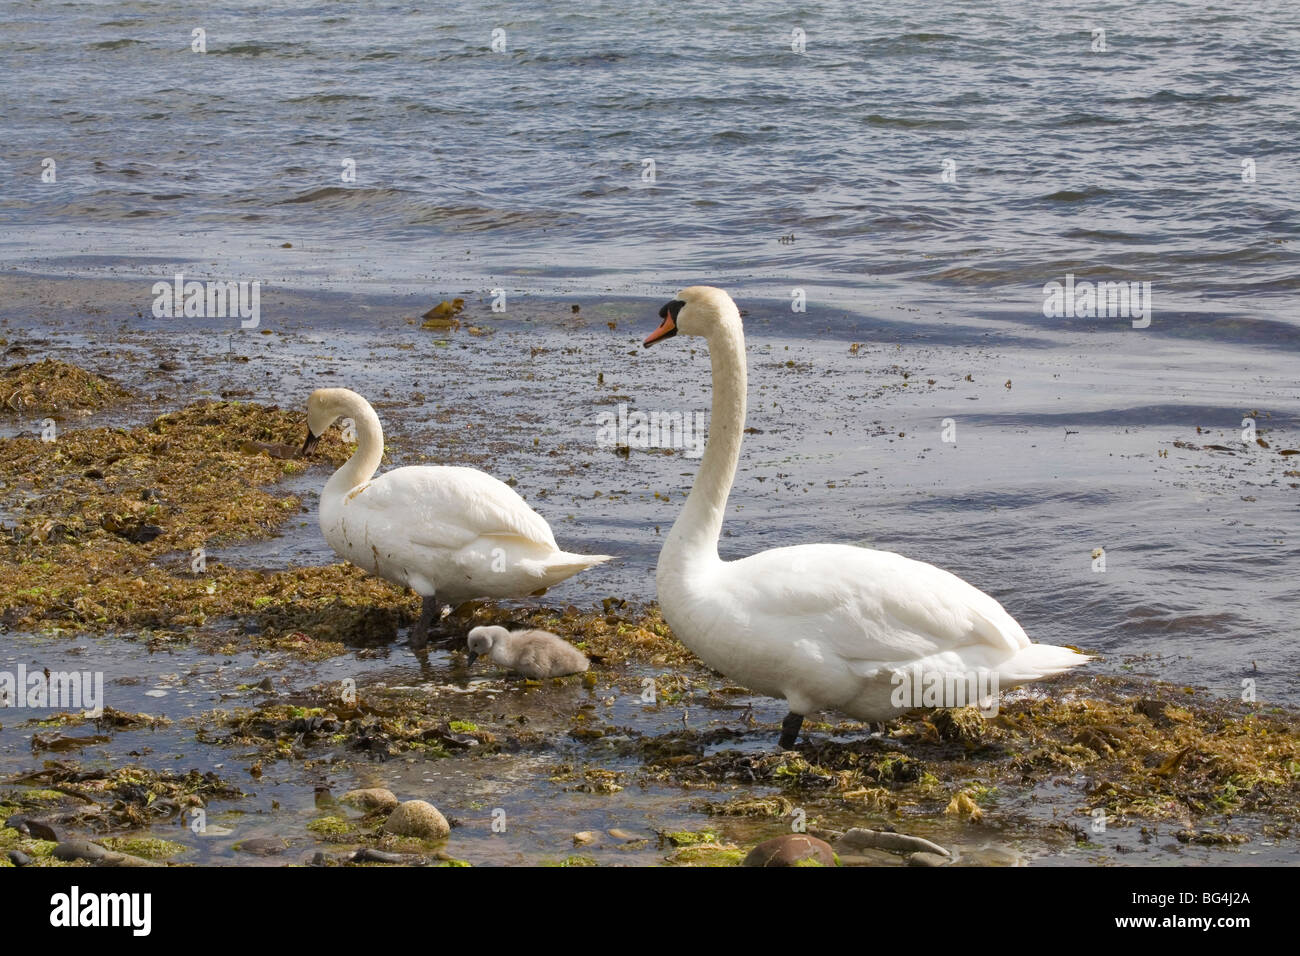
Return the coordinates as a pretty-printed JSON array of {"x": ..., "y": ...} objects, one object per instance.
[
  {"x": 372, "y": 798},
  {"x": 19, "y": 858},
  {"x": 928, "y": 859},
  {"x": 416, "y": 818},
  {"x": 584, "y": 838},
  {"x": 789, "y": 850},
  {"x": 262, "y": 846},
  {"x": 623, "y": 835},
  {"x": 868, "y": 857}
]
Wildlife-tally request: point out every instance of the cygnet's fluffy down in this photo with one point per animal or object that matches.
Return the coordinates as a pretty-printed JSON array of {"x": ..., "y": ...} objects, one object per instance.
[{"x": 532, "y": 653}]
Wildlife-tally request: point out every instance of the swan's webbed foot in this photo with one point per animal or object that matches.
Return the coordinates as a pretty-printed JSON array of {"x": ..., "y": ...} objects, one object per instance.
[
  {"x": 428, "y": 614},
  {"x": 790, "y": 728}
]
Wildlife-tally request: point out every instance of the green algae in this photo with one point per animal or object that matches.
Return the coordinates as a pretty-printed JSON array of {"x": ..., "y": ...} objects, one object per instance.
[
  {"x": 687, "y": 838},
  {"x": 707, "y": 854},
  {"x": 331, "y": 827},
  {"x": 148, "y": 848}
]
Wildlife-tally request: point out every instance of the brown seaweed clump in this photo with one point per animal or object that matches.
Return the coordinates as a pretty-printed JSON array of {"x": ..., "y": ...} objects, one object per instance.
[
  {"x": 105, "y": 801},
  {"x": 51, "y": 387},
  {"x": 361, "y": 728},
  {"x": 1136, "y": 753},
  {"x": 114, "y": 528}
]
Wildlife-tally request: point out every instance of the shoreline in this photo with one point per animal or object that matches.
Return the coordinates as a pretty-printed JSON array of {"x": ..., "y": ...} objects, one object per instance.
[{"x": 284, "y": 609}]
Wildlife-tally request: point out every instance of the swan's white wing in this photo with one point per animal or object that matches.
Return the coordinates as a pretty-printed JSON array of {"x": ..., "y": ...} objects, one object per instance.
[
  {"x": 448, "y": 507},
  {"x": 873, "y": 609}
]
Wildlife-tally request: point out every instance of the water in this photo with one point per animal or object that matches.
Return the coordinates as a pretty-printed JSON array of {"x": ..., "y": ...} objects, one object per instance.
[{"x": 524, "y": 168}]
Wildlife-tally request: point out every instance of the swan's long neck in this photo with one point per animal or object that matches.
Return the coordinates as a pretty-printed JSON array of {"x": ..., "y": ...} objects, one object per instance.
[
  {"x": 694, "y": 538},
  {"x": 370, "y": 447}
]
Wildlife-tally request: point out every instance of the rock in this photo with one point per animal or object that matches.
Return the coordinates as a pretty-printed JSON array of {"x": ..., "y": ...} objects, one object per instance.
[
  {"x": 262, "y": 846},
  {"x": 374, "y": 798},
  {"x": 868, "y": 857},
  {"x": 80, "y": 850},
  {"x": 266, "y": 684},
  {"x": 416, "y": 818},
  {"x": 36, "y": 828},
  {"x": 860, "y": 837},
  {"x": 584, "y": 838},
  {"x": 928, "y": 859},
  {"x": 126, "y": 859},
  {"x": 70, "y": 850},
  {"x": 623, "y": 835},
  {"x": 19, "y": 858},
  {"x": 792, "y": 849},
  {"x": 369, "y": 854},
  {"x": 1002, "y": 856}
]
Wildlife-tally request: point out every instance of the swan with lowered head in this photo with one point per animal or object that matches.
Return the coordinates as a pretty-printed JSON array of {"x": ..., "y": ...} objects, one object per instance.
[
  {"x": 822, "y": 626},
  {"x": 534, "y": 653},
  {"x": 448, "y": 533}
]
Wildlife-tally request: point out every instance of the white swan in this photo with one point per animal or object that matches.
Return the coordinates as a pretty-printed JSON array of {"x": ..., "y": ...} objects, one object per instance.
[
  {"x": 823, "y": 626},
  {"x": 448, "y": 533}
]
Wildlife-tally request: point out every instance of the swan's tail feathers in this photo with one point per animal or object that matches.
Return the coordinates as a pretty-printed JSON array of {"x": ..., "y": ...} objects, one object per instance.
[
  {"x": 565, "y": 565},
  {"x": 1038, "y": 661}
]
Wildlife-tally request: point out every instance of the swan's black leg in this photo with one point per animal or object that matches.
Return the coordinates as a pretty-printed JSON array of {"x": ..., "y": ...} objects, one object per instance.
[
  {"x": 790, "y": 730},
  {"x": 428, "y": 614}
]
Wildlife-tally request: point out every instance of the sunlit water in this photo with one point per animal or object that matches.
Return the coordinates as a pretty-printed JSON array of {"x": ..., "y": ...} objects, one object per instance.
[{"x": 526, "y": 167}]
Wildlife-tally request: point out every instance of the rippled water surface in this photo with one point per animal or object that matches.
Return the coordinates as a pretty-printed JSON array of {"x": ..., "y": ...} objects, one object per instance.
[{"x": 478, "y": 165}]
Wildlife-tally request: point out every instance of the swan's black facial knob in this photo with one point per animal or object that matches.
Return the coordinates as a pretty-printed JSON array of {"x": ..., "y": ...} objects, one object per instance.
[
  {"x": 309, "y": 445},
  {"x": 668, "y": 327}
]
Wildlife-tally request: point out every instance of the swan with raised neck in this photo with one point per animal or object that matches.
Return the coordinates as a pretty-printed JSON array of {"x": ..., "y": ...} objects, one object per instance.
[{"x": 823, "y": 626}]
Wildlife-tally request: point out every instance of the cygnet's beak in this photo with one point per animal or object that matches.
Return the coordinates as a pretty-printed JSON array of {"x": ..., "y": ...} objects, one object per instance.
[
  {"x": 309, "y": 445},
  {"x": 473, "y": 656}
]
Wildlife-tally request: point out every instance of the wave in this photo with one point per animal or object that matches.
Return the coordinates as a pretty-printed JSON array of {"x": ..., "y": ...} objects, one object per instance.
[
  {"x": 903, "y": 122},
  {"x": 343, "y": 197},
  {"x": 1075, "y": 195},
  {"x": 116, "y": 44}
]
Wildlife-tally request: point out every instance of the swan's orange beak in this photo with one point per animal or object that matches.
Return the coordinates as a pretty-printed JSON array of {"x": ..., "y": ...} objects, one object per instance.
[{"x": 666, "y": 328}]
